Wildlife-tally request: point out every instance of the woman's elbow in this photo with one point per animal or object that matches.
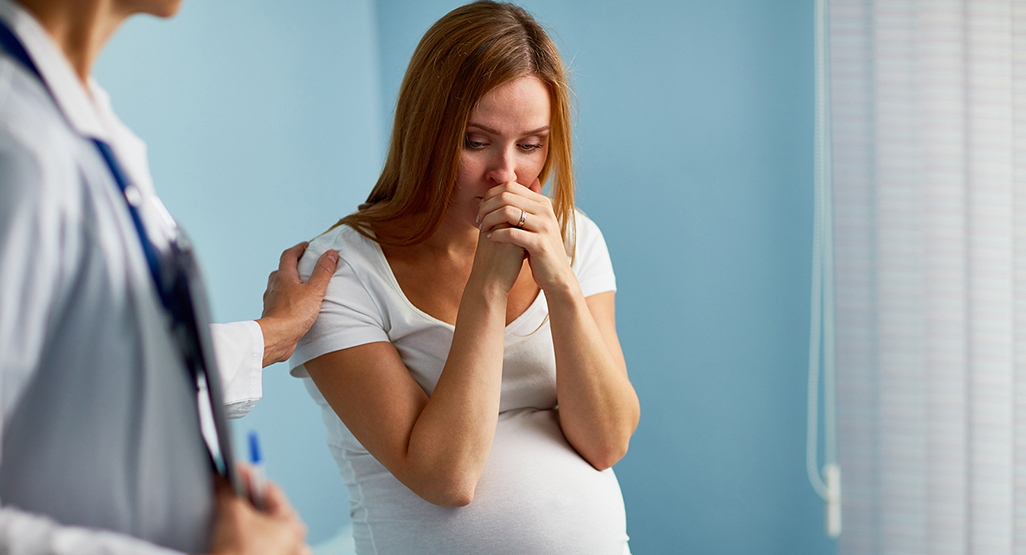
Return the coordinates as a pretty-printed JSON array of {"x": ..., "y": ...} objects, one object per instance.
[
  {"x": 451, "y": 499},
  {"x": 448, "y": 491},
  {"x": 604, "y": 452},
  {"x": 457, "y": 499},
  {"x": 608, "y": 454}
]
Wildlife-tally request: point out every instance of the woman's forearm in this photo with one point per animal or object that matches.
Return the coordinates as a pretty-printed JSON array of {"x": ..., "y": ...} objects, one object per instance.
[
  {"x": 598, "y": 408},
  {"x": 450, "y": 441}
]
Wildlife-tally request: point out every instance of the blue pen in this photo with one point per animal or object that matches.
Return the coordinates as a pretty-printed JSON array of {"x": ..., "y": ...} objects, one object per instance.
[{"x": 257, "y": 480}]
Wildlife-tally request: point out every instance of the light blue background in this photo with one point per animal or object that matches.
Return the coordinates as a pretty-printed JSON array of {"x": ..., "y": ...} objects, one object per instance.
[{"x": 267, "y": 121}]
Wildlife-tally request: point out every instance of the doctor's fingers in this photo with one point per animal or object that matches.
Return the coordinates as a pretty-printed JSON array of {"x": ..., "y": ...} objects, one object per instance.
[
  {"x": 278, "y": 507},
  {"x": 242, "y": 530},
  {"x": 323, "y": 271},
  {"x": 290, "y": 256},
  {"x": 270, "y": 285},
  {"x": 277, "y": 504}
]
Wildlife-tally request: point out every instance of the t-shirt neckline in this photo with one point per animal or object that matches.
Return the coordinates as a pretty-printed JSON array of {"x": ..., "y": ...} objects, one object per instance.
[{"x": 394, "y": 283}]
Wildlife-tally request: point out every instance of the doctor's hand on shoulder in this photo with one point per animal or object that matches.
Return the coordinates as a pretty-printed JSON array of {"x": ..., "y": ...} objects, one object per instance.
[{"x": 290, "y": 304}]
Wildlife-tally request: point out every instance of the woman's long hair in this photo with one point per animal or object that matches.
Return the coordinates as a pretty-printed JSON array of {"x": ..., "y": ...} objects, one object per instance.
[{"x": 464, "y": 55}]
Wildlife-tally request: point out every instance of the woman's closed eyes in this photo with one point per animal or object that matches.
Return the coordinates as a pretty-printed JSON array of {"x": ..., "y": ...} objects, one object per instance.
[{"x": 476, "y": 143}]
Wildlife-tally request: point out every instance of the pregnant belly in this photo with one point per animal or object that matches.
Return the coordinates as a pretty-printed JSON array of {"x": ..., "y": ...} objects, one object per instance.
[{"x": 537, "y": 495}]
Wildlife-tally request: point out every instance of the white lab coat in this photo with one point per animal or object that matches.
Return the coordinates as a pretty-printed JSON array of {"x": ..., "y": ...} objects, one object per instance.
[{"x": 98, "y": 417}]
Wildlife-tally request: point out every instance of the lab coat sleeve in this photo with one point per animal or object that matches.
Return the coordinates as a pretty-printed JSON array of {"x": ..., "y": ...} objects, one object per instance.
[
  {"x": 33, "y": 229},
  {"x": 239, "y": 348},
  {"x": 24, "y": 533}
]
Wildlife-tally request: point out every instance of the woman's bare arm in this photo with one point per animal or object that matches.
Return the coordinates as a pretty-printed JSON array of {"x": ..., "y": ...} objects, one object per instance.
[
  {"x": 437, "y": 446},
  {"x": 598, "y": 408}
]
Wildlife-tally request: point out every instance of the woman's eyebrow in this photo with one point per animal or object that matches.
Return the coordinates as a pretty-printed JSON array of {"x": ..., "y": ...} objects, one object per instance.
[{"x": 487, "y": 129}]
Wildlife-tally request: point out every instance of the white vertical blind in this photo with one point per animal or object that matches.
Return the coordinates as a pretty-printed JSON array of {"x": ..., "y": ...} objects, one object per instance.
[{"x": 929, "y": 157}]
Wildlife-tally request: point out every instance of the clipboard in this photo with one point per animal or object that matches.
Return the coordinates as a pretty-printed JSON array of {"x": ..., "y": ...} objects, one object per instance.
[{"x": 191, "y": 328}]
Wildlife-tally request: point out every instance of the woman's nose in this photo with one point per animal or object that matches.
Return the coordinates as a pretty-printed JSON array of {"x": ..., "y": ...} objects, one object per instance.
[{"x": 503, "y": 168}]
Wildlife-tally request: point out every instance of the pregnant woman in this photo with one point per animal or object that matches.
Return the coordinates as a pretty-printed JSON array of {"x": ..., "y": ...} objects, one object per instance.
[{"x": 466, "y": 354}]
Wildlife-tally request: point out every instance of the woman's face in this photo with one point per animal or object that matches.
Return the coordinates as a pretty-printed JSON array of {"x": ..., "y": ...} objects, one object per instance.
[{"x": 506, "y": 140}]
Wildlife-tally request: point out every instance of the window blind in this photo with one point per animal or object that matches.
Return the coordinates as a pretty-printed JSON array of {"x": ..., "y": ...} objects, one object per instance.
[{"x": 928, "y": 114}]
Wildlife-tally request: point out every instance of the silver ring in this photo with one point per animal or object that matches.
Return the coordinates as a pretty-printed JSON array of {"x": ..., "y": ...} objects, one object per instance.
[{"x": 523, "y": 217}]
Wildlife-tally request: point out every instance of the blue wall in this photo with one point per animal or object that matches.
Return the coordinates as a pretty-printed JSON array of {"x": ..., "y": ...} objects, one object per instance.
[
  {"x": 694, "y": 145},
  {"x": 266, "y": 121}
]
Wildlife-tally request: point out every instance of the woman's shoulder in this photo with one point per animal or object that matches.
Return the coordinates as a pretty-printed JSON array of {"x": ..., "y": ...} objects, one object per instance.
[{"x": 353, "y": 248}]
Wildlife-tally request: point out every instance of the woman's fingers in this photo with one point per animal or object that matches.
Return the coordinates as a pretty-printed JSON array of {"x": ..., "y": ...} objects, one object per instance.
[
  {"x": 509, "y": 216},
  {"x": 501, "y": 200},
  {"x": 511, "y": 192},
  {"x": 516, "y": 215},
  {"x": 514, "y": 205},
  {"x": 513, "y": 236}
]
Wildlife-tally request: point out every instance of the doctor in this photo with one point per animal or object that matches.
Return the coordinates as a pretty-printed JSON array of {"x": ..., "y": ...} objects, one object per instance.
[{"x": 101, "y": 449}]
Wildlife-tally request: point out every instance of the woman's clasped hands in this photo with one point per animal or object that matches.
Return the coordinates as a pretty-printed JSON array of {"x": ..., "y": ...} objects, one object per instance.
[{"x": 513, "y": 214}]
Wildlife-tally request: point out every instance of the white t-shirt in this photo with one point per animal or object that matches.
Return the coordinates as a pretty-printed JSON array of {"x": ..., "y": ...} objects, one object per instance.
[{"x": 536, "y": 495}]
